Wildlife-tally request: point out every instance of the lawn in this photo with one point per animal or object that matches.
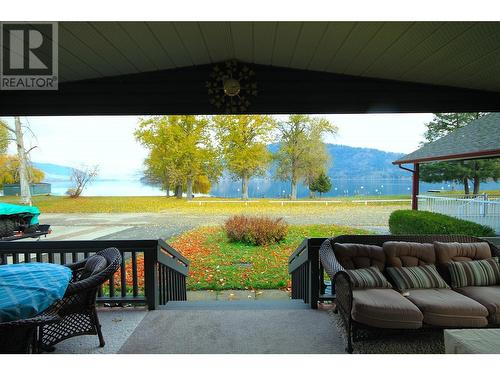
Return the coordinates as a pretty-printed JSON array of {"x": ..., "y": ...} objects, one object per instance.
[
  {"x": 63, "y": 204},
  {"x": 204, "y": 205},
  {"x": 217, "y": 263}
]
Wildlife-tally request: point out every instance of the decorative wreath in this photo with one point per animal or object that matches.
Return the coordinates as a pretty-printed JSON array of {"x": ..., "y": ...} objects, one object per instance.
[{"x": 231, "y": 86}]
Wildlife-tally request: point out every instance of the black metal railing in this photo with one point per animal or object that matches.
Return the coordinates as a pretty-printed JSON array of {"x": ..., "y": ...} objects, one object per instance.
[
  {"x": 172, "y": 272},
  {"x": 151, "y": 272},
  {"x": 307, "y": 272}
]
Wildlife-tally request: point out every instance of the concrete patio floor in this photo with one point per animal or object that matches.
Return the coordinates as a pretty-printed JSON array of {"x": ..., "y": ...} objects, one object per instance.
[
  {"x": 117, "y": 325},
  {"x": 244, "y": 327}
]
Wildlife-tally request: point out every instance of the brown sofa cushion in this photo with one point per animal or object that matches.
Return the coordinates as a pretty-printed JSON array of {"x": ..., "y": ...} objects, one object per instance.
[
  {"x": 459, "y": 252},
  {"x": 408, "y": 254},
  {"x": 385, "y": 308},
  {"x": 447, "y": 308},
  {"x": 483, "y": 272},
  {"x": 420, "y": 277},
  {"x": 488, "y": 296},
  {"x": 353, "y": 256},
  {"x": 364, "y": 278}
]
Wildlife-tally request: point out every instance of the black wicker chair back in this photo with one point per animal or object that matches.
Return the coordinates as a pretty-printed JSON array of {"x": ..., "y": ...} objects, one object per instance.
[{"x": 77, "y": 308}]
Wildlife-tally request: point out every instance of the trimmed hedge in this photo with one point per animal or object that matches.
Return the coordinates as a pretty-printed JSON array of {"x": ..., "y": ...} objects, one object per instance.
[{"x": 423, "y": 222}]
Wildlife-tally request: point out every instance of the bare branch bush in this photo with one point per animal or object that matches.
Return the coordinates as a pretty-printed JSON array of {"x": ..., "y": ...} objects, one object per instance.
[{"x": 81, "y": 178}]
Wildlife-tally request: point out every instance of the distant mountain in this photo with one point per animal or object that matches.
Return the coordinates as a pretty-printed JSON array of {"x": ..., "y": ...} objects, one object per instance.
[
  {"x": 347, "y": 162},
  {"x": 54, "y": 172},
  {"x": 358, "y": 162},
  {"x": 354, "y": 171}
]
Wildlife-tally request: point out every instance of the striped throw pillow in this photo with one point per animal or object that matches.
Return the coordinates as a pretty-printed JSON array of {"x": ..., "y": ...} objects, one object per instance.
[
  {"x": 366, "y": 278},
  {"x": 421, "y": 277},
  {"x": 475, "y": 272}
]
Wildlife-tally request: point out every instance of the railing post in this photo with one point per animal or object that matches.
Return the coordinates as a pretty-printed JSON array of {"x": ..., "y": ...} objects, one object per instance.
[
  {"x": 313, "y": 254},
  {"x": 151, "y": 278}
]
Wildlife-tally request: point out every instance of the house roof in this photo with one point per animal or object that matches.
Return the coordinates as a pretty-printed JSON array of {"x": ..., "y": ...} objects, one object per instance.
[{"x": 478, "y": 139}]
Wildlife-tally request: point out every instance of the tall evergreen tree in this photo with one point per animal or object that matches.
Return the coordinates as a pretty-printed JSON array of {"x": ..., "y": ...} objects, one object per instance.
[
  {"x": 321, "y": 184},
  {"x": 458, "y": 171}
]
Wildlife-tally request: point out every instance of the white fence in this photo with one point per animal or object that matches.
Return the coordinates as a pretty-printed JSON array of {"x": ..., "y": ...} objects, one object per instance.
[{"x": 479, "y": 210}]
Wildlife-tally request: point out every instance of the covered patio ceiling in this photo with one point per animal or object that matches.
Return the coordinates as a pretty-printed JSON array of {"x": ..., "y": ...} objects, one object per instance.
[{"x": 307, "y": 67}]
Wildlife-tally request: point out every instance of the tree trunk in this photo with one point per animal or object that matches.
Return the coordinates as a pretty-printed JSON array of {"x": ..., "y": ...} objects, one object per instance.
[
  {"x": 311, "y": 194},
  {"x": 189, "y": 188},
  {"x": 178, "y": 191},
  {"x": 244, "y": 187},
  {"x": 466, "y": 186},
  {"x": 477, "y": 183},
  {"x": 293, "y": 193},
  {"x": 167, "y": 185},
  {"x": 23, "y": 165}
]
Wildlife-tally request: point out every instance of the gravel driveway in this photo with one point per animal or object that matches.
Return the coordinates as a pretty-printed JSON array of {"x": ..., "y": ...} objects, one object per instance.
[{"x": 168, "y": 224}]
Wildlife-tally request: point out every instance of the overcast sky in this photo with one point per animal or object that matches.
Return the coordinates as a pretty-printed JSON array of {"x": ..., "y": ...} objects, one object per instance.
[{"x": 109, "y": 141}]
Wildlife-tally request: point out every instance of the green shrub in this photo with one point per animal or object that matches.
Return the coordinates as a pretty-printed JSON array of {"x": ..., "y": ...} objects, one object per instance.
[
  {"x": 255, "y": 230},
  {"x": 423, "y": 222}
]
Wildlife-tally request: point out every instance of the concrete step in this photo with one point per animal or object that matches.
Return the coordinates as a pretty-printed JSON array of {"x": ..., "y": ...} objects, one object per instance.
[{"x": 236, "y": 305}]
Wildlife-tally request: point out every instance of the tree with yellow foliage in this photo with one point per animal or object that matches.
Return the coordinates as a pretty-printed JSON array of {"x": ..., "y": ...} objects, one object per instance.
[
  {"x": 4, "y": 138},
  {"x": 9, "y": 171},
  {"x": 181, "y": 152},
  {"x": 243, "y": 141},
  {"x": 302, "y": 153}
]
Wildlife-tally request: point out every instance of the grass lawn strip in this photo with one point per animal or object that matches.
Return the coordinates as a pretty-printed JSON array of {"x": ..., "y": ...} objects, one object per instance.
[
  {"x": 63, "y": 204},
  {"x": 218, "y": 264}
]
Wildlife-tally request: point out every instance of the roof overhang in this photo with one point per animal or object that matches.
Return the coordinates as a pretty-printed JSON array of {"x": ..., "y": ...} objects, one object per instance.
[
  {"x": 487, "y": 154},
  {"x": 479, "y": 139},
  {"x": 301, "y": 67},
  {"x": 280, "y": 90}
]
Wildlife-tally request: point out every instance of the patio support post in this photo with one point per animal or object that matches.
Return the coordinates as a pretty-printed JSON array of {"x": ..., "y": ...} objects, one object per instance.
[{"x": 415, "y": 186}]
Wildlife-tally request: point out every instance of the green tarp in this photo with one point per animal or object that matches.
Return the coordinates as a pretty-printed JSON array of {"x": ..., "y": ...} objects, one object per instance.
[{"x": 23, "y": 211}]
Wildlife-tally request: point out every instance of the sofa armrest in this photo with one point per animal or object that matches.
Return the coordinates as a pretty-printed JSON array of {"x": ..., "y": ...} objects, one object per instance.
[
  {"x": 328, "y": 259},
  {"x": 343, "y": 289}
]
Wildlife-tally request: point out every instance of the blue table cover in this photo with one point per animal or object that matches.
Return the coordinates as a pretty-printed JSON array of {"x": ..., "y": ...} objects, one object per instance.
[{"x": 29, "y": 288}]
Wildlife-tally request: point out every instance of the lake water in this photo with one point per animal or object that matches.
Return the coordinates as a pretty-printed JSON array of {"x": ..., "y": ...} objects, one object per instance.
[{"x": 264, "y": 188}]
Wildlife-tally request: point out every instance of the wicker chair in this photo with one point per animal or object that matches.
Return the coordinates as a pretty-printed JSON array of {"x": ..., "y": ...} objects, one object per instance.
[{"x": 77, "y": 308}]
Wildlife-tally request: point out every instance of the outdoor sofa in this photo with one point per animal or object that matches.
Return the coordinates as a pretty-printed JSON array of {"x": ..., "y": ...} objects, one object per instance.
[{"x": 399, "y": 284}]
